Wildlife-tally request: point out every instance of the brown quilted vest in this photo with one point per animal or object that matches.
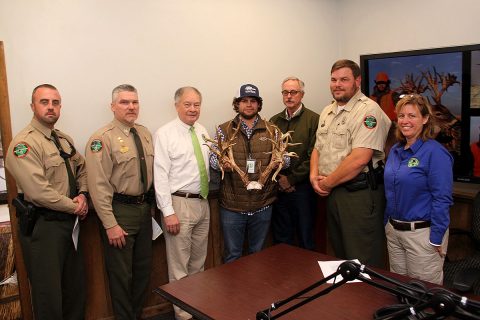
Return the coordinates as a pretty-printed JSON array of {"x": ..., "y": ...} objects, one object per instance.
[{"x": 234, "y": 196}]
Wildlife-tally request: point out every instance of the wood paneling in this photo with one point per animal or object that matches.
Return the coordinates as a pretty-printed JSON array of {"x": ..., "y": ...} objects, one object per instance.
[
  {"x": 6, "y": 132},
  {"x": 98, "y": 297}
]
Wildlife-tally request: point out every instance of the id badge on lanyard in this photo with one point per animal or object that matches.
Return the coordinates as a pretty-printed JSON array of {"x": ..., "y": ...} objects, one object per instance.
[{"x": 251, "y": 164}]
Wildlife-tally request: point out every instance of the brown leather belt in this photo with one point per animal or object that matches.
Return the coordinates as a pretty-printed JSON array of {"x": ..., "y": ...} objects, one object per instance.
[
  {"x": 409, "y": 226},
  {"x": 187, "y": 195}
]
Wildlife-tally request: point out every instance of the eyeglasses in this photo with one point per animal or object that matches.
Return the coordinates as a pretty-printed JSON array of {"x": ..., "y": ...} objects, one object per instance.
[
  {"x": 412, "y": 96},
  {"x": 291, "y": 92}
]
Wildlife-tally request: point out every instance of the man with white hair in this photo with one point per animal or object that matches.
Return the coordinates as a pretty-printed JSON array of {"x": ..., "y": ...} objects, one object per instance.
[
  {"x": 181, "y": 187},
  {"x": 293, "y": 218}
]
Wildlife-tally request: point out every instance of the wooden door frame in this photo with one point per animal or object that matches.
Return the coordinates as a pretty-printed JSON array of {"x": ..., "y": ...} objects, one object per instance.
[{"x": 6, "y": 134}]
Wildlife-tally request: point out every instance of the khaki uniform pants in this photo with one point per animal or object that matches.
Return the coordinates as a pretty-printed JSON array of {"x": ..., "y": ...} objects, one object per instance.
[
  {"x": 186, "y": 251},
  {"x": 410, "y": 253}
]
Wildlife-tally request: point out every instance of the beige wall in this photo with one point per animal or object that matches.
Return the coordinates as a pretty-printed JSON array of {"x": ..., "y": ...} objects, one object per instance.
[
  {"x": 376, "y": 26},
  {"x": 87, "y": 47}
]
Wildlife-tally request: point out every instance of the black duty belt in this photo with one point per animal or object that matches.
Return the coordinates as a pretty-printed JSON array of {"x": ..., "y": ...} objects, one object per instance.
[
  {"x": 126, "y": 199},
  {"x": 409, "y": 226},
  {"x": 360, "y": 182},
  {"x": 53, "y": 215},
  {"x": 187, "y": 195},
  {"x": 49, "y": 214}
]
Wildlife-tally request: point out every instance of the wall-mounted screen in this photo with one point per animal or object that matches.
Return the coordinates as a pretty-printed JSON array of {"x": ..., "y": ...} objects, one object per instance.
[{"x": 450, "y": 79}]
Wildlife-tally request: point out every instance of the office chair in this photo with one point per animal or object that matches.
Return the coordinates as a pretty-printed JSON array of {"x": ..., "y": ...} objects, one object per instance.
[{"x": 464, "y": 274}]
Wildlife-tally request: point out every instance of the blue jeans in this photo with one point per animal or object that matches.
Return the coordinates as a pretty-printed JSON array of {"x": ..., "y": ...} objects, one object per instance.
[
  {"x": 294, "y": 216},
  {"x": 235, "y": 224}
]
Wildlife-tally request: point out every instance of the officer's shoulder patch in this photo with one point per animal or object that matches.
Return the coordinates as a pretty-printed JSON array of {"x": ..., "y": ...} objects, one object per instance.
[
  {"x": 370, "y": 122},
  {"x": 96, "y": 145},
  {"x": 21, "y": 149}
]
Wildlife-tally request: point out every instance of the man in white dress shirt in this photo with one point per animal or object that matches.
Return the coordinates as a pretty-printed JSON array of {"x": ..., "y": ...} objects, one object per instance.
[{"x": 180, "y": 182}]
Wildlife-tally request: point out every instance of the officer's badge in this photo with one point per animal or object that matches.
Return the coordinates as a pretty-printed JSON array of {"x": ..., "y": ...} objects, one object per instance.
[
  {"x": 370, "y": 122},
  {"x": 123, "y": 149},
  {"x": 21, "y": 149},
  {"x": 413, "y": 162},
  {"x": 96, "y": 145}
]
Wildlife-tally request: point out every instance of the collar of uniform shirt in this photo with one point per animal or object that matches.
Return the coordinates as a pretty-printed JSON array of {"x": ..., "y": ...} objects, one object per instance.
[
  {"x": 350, "y": 104},
  {"x": 47, "y": 132},
  {"x": 123, "y": 127}
]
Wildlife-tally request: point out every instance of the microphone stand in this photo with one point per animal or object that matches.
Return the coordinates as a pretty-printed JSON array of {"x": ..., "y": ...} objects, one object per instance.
[
  {"x": 442, "y": 301},
  {"x": 347, "y": 270}
]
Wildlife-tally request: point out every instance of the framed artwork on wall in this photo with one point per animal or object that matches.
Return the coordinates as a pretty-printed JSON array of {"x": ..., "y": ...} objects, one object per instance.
[{"x": 450, "y": 79}]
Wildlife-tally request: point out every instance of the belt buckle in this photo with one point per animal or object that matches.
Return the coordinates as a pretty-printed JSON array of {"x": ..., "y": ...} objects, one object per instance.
[
  {"x": 412, "y": 226},
  {"x": 140, "y": 199}
]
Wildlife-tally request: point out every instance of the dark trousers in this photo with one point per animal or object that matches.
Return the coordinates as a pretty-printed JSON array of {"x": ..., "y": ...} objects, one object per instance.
[
  {"x": 129, "y": 268},
  {"x": 234, "y": 227},
  {"x": 55, "y": 270},
  {"x": 355, "y": 224},
  {"x": 294, "y": 216}
]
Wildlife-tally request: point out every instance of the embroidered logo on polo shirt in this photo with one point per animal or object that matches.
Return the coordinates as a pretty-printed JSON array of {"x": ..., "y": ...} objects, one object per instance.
[
  {"x": 96, "y": 145},
  {"x": 21, "y": 149},
  {"x": 413, "y": 162},
  {"x": 370, "y": 122}
]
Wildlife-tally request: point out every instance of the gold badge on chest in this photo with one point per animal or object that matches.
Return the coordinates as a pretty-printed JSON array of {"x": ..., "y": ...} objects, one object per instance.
[{"x": 123, "y": 148}]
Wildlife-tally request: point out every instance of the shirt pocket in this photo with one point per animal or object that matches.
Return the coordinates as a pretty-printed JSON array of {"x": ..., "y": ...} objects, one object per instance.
[
  {"x": 340, "y": 138},
  {"x": 323, "y": 137},
  {"x": 126, "y": 163},
  {"x": 55, "y": 169},
  {"x": 75, "y": 160},
  {"x": 148, "y": 150},
  {"x": 178, "y": 149}
]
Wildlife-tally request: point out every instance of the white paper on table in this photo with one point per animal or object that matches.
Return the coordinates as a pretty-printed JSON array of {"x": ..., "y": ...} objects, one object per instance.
[
  {"x": 329, "y": 267},
  {"x": 75, "y": 233},
  {"x": 156, "y": 230}
]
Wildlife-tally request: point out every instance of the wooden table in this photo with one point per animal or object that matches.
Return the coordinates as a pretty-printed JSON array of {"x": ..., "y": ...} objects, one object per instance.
[{"x": 240, "y": 289}]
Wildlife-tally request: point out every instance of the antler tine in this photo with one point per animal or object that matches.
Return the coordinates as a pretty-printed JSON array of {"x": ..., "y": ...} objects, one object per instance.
[
  {"x": 236, "y": 168},
  {"x": 225, "y": 153}
]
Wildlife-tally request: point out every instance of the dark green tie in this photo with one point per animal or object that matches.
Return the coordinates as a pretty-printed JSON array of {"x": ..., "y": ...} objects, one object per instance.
[
  {"x": 65, "y": 156},
  {"x": 141, "y": 156},
  {"x": 201, "y": 164}
]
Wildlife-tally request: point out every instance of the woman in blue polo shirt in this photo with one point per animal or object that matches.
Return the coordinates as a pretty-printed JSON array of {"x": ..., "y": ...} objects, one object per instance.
[{"x": 418, "y": 189}]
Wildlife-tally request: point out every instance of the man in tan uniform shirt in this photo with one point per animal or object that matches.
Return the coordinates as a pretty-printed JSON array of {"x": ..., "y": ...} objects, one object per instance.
[
  {"x": 37, "y": 158},
  {"x": 119, "y": 192},
  {"x": 351, "y": 137}
]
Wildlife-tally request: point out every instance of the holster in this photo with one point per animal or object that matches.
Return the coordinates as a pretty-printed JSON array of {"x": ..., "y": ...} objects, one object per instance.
[
  {"x": 358, "y": 183},
  {"x": 372, "y": 179},
  {"x": 375, "y": 176},
  {"x": 27, "y": 215}
]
